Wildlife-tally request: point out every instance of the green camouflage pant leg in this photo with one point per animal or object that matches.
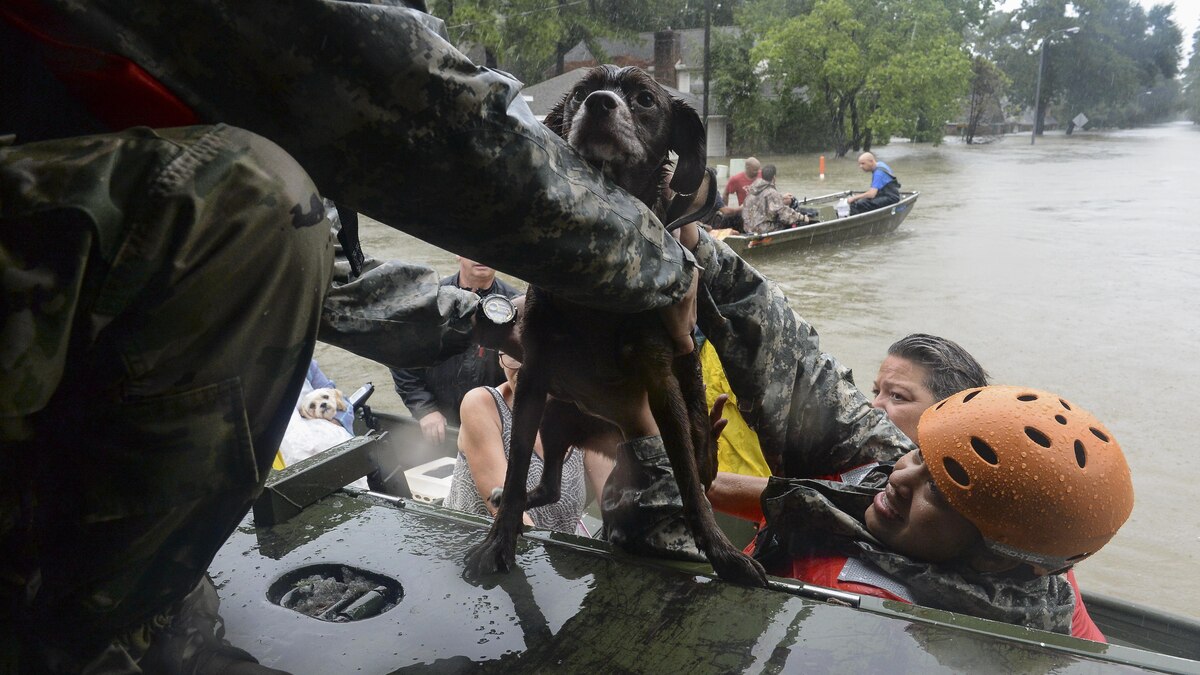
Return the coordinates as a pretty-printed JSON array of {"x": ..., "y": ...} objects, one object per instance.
[
  {"x": 161, "y": 300},
  {"x": 641, "y": 505}
]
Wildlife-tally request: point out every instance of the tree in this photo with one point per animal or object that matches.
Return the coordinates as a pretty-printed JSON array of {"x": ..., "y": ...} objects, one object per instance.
[
  {"x": 1119, "y": 68},
  {"x": 759, "y": 117},
  {"x": 987, "y": 87},
  {"x": 900, "y": 69},
  {"x": 1191, "y": 82}
]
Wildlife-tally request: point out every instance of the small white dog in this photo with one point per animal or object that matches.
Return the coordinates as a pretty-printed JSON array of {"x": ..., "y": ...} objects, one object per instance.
[{"x": 322, "y": 404}]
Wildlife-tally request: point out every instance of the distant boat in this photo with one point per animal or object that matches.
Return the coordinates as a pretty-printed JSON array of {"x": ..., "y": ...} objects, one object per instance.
[{"x": 831, "y": 229}]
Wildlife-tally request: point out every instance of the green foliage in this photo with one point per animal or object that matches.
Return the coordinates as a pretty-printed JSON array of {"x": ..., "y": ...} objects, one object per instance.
[
  {"x": 783, "y": 124},
  {"x": 1191, "y": 82},
  {"x": 1118, "y": 69},
  {"x": 988, "y": 84},
  {"x": 875, "y": 68},
  {"x": 849, "y": 74}
]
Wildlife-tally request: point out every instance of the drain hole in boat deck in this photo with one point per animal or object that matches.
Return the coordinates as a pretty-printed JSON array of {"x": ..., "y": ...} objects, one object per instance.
[{"x": 337, "y": 593}]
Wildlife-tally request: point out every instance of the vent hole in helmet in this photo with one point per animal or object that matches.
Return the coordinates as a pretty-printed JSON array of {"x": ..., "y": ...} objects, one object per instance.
[
  {"x": 1060, "y": 419},
  {"x": 1027, "y": 397},
  {"x": 1064, "y": 404},
  {"x": 939, "y": 406},
  {"x": 985, "y": 451},
  {"x": 970, "y": 396},
  {"x": 1099, "y": 434},
  {"x": 957, "y": 473},
  {"x": 1037, "y": 437},
  {"x": 1080, "y": 454}
]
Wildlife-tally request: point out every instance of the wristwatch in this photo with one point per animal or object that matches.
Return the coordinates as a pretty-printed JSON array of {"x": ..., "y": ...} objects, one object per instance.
[{"x": 498, "y": 309}]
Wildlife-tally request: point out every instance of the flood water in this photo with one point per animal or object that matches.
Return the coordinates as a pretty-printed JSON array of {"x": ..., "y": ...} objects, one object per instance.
[{"x": 1071, "y": 266}]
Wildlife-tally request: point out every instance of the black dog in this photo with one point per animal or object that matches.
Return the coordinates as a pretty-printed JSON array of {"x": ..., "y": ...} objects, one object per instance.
[{"x": 579, "y": 359}]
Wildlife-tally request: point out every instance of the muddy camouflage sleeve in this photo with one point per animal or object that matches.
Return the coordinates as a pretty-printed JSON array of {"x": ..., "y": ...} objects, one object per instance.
[
  {"x": 810, "y": 417},
  {"x": 391, "y": 120}
]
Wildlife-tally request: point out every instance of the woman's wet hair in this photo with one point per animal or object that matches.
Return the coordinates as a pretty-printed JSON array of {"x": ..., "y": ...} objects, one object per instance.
[{"x": 951, "y": 368}]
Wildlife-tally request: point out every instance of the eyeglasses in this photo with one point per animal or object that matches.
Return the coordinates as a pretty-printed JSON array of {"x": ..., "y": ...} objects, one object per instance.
[{"x": 509, "y": 362}]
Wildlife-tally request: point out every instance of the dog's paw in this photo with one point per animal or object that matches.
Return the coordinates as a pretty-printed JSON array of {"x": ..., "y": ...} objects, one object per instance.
[
  {"x": 496, "y": 497},
  {"x": 541, "y": 496},
  {"x": 496, "y": 553},
  {"x": 736, "y": 567}
]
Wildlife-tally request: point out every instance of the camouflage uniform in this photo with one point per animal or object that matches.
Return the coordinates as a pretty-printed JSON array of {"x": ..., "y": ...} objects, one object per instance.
[
  {"x": 765, "y": 211},
  {"x": 145, "y": 393},
  {"x": 392, "y": 121},
  {"x": 810, "y": 417}
]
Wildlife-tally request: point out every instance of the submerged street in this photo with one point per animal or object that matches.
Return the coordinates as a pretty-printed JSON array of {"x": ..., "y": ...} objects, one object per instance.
[{"x": 1072, "y": 265}]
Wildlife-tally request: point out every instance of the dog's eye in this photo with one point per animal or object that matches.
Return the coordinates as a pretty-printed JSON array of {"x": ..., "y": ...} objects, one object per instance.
[
  {"x": 645, "y": 99},
  {"x": 580, "y": 94}
]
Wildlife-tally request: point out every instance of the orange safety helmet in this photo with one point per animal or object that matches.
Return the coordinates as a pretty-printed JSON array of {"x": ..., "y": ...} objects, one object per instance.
[{"x": 1042, "y": 479}]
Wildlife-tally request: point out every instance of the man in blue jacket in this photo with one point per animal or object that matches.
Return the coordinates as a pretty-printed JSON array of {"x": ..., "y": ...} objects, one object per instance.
[{"x": 884, "y": 190}]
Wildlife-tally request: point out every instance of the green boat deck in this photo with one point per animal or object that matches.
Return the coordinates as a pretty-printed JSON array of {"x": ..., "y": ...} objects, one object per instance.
[{"x": 577, "y": 605}]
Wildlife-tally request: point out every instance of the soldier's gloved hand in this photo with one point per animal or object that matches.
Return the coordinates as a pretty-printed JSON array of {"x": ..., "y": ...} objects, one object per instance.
[{"x": 680, "y": 318}]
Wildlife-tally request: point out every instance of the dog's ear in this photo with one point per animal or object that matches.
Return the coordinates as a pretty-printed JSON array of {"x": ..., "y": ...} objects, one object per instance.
[
  {"x": 554, "y": 118},
  {"x": 341, "y": 400},
  {"x": 687, "y": 141}
]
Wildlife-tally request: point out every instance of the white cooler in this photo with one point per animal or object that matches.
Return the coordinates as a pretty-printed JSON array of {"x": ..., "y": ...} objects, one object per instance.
[{"x": 430, "y": 481}]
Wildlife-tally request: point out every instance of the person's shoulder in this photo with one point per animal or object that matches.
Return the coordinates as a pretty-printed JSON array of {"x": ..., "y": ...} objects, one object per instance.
[
  {"x": 478, "y": 405},
  {"x": 477, "y": 398}
]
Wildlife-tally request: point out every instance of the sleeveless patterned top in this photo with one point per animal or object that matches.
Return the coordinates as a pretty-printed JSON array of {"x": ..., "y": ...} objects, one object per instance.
[{"x": 562, "y": 516}]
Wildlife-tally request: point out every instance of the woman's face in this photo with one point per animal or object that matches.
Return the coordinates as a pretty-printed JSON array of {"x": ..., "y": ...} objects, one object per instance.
[
  {"x": 900, "y": 392},
  {"x": 911, "y": 516}
]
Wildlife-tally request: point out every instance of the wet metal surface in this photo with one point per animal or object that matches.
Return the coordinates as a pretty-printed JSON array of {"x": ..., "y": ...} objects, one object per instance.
[{"x": 573, "y": 608}]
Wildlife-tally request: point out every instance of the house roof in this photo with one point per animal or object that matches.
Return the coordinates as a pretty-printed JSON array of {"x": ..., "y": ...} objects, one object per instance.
[{"x": 546, "y": 94}]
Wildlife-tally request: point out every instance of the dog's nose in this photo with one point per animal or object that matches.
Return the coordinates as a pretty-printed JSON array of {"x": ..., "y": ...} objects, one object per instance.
[{"x": 601, "y": 102}]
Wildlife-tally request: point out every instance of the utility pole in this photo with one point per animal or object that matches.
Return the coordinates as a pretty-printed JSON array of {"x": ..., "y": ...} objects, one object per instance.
[{"x": 707, "y": 64}]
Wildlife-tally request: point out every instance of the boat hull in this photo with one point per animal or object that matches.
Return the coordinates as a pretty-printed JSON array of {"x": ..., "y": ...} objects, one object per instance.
[{"x": 830, "y": 230}]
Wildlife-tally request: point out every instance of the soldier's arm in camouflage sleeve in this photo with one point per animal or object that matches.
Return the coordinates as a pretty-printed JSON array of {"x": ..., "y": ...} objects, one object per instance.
[
  {"x": 391, "y": 120},
  {"x": 810, "y": 417}
]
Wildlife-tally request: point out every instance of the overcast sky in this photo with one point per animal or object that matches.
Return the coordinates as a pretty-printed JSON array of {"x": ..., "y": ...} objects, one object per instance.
[{"x": 1187, "y": 17}]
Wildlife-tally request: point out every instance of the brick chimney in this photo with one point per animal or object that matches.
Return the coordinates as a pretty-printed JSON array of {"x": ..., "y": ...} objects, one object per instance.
[{"x": 666, "y": 55}]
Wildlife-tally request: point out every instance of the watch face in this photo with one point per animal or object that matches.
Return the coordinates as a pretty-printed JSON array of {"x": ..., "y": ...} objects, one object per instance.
[{"x": 499, "y": 309}]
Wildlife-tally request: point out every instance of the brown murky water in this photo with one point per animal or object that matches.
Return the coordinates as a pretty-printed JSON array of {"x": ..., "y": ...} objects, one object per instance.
[{"x": 1072, "y": 266}]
